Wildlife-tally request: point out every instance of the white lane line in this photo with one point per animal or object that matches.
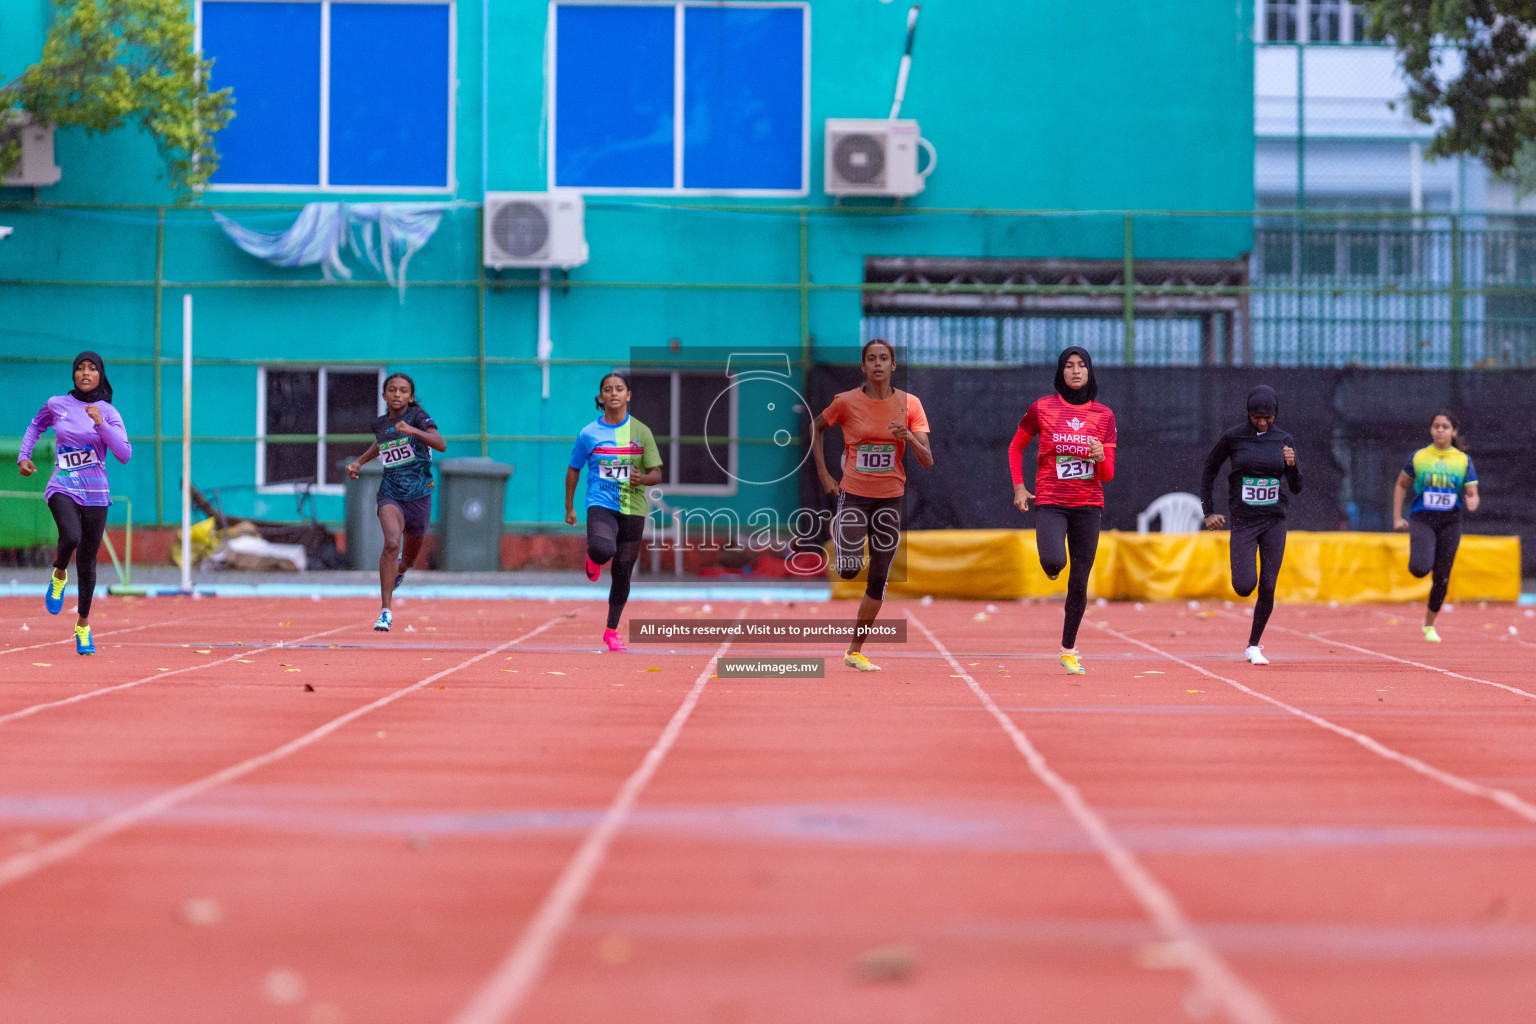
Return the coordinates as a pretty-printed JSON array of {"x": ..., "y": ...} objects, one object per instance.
[
  {"x": 22, "y": 865},
  {"x": 71, "y": 638},
  {"x": 1320, "y": 638},
  {"x": 504, "y": 992},
  {"x": 101, "y": 691},
  {"x": 1503, "y": 797},
  {"x": 1219, "y": 985}
]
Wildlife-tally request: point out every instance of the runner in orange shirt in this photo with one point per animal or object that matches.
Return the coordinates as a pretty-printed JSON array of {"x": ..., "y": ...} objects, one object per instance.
[{"x": 879, "y": 425}]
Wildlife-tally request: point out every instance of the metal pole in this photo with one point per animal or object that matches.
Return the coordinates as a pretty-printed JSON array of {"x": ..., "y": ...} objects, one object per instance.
[
  {"x": 805, "y": 297},
  {"x": 159, "y": 436},
  {"x": 1301, "y": 123},
  {"x": 1457, "y": 353},
  {"x": 186, "y": 443},
  {"x": 546, "y": 344},
  {"x": 480, "y": 306},
  {"x": 1129, "y": 298}
]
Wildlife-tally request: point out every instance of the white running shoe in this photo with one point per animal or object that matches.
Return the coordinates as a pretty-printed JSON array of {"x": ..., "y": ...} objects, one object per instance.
[{"x": 1255, "y": 655}]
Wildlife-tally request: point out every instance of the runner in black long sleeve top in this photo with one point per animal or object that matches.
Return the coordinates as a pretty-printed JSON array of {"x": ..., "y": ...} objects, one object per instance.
[{"x": 1262, "y": 456}]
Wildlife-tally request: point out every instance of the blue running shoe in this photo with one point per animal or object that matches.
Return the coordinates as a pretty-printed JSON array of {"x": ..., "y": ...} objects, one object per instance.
[
  {"x": 83, "y": 642},
  {"x": 53, "y": 597},
  {"x": 382, "y": 626}
]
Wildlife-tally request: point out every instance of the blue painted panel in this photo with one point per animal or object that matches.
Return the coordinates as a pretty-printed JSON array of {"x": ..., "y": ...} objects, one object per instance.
[
  {"x": 613, "y": 96},
  {"x": 743, "y": 110},
  {"x": 269, "y": 53},
  {"x": 389, "y": 94}
]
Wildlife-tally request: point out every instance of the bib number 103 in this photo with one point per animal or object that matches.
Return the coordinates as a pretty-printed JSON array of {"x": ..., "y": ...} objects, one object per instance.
[
  {"x": 1069, "y": 468},
  {"x": 876, "y": 458}
]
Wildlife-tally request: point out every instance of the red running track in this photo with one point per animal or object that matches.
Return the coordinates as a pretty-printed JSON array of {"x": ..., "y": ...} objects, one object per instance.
[{"x": 479, "y": 818}]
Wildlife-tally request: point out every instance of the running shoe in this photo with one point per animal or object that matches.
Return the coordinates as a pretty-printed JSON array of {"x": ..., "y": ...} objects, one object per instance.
[
  {"x": 83, "y": 642},
  {"x": 53, "y": 597},
  {"x": 593, "y": 570},
  {"x": 1431, "y": 635},
  {"x": 855, "y": 659},
  {"x": 614, "y": 641},
  {"x": 399, "y": 574},
  {"x": 1255, "y": 655},
  {"x": 1072, "y": 665},
  {"x": 385, "y": 618}
]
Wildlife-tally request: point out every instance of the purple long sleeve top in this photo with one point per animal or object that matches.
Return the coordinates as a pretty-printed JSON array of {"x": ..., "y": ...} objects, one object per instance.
[{"x": 80, "y": 458}]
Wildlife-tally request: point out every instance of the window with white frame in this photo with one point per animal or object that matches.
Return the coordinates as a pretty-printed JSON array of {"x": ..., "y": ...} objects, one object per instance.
[
  {"x": 333, "y": 94},
  {"x": 678, "y": 404},
  {"x": 315, "y": 404},
  {"x": 1312, "y": 21},
  {"x": 680, "y": 97}
]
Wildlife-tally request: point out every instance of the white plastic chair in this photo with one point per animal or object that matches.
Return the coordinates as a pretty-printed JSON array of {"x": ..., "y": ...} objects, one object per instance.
[{"x": 1180, "y": 512}]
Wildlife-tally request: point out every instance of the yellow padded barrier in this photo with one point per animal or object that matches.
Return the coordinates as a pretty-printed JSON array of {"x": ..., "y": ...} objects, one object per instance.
[{"x": 1319, "y": 567}]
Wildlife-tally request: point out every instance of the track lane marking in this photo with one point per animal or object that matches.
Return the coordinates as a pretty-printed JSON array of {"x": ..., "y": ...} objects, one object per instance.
[
  {"x": 504, "y": 992},
  {"x": 1220, "y": 986},
  {"x": 1503, "y": 797},
  {"x": 103, "y": 690},
  {"x": 71, "y": 637},
  {"x": 22, "y": 865}
]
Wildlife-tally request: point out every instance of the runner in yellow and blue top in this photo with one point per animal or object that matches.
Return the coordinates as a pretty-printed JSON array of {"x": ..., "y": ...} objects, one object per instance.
[
  {"x": 406, "y": 437},
  {"x": 1443, "y": 481},
  {"x": 622, "y": 460}
]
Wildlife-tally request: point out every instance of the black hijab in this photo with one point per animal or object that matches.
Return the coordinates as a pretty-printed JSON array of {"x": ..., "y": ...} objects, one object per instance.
[
  {"x": 102, "y": 392},
  {"x": 1262, "y": 401},
  {"x": 1077, "y": 396}
]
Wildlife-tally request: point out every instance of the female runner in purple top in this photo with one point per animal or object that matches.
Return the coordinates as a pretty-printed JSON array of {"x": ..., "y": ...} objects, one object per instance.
[{"x": 85, "y": 426}]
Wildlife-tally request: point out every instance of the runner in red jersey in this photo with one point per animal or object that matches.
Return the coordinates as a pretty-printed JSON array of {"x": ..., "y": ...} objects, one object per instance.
[{"x": 1077, "y": 457}]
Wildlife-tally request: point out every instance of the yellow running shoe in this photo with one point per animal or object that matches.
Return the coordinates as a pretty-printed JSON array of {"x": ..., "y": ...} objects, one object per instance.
[
  {"x": 83, "y": 642},
  {"x": 1431, "y": 635},
  {"x": 1072, "y": 665},
  {"x": 854, "y": 659}
]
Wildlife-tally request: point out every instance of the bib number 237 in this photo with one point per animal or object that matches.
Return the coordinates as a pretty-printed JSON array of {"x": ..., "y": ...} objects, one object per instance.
[{"x": 1069, "y": 468}]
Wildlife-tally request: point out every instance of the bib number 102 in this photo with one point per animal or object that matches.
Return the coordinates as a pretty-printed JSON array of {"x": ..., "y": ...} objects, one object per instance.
[{"x": 71, "y": 461}]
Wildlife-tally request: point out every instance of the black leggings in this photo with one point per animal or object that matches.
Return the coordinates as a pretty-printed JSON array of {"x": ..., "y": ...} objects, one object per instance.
[
  {"x": 1432, "y": 543},
  {"x": 80, "y": 530},
  {"x": 1266, "y": 537},
  {"x": 614, "y": 536},
  {"x": 1060, "y": 531},
  {"x": 877, "y": 520}
]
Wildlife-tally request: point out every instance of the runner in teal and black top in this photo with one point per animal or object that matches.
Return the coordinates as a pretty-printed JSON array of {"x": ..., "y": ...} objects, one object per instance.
[
  {"x": 622, "y": 460},
  {"x": 406, "y": 437},
  {"x": 1443, "y": 481}
]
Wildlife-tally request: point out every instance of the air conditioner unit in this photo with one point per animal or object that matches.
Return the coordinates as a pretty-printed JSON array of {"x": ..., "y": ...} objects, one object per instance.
[
  {"x": 535, "y": 229},
  {"x": 36, "y": 167},
  {"x": 874, "y": 157}
]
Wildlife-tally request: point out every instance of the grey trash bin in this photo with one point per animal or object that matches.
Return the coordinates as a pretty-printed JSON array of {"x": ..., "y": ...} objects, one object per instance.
[
  {"x": 471, "y": 495},
  {"x": 365, "y": 541}
]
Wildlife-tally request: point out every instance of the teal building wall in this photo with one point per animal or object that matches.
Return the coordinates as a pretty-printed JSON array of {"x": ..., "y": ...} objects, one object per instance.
[{"x": 1088, "y": 108}]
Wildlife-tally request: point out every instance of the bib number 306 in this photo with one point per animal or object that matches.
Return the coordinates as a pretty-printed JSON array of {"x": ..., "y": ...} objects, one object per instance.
[
  {"x": 876, "y": 458},
  {"x": 1069, "y": 468},
  {"x": 1260, "y": 490},
  {"x": 397, "y": 452}
]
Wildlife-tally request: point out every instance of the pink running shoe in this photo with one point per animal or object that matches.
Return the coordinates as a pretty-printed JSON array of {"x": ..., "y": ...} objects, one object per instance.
[
  {"x": 614, "y": 641},
  {"x": 593, "y": 570}
]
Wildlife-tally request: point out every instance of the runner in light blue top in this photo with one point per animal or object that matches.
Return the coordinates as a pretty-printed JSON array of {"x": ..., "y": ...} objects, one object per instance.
[{"x": 85, "y": 426}]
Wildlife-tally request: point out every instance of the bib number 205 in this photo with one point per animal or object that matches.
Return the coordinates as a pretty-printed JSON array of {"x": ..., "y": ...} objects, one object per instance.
[
  {"x": 1259, "y": 490},
  {"x": 1069, "y": 468},
  {"x": 876, "y": 458},
  {"x": 397, "y": 452}
]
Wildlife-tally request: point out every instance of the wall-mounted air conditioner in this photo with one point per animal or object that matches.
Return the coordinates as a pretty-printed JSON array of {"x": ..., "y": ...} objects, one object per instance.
[
  {"x": 874, "y": 157},
  {"x": 535, "y": 229},
  {"x": 36, "y": 167}
]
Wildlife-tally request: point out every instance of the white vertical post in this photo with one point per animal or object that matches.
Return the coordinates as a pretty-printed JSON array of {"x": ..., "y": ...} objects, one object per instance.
[
  {"x": 186, "y": 443},
  {"x": 546, "y": 344},
  {"x": 1415, "y": 177}
]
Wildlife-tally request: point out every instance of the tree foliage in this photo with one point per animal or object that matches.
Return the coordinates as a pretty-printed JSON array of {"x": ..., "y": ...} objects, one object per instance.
[
  {"x": 1487, "y": 105},
  {"x": 110, "y": 63}
]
